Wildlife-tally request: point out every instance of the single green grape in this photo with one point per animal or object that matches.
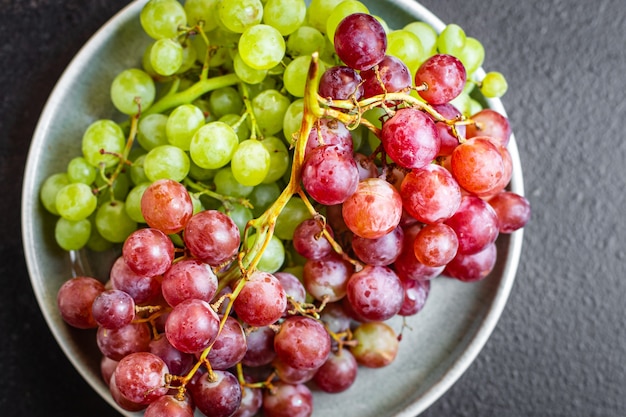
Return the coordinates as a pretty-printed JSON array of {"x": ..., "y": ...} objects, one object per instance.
[
  {"x": 279, "y": 158},
  {"x": 166, "y": 161},
  {"x": 269, "y": 109},
  {"x": 426, "y": 34},
  {"x": 342, "y": 10},
  {"x": 190, "y": 57},
  {"x": 72, "y": 235},
  {"x": 113, "y": 222},
  {"x": 162, "y": 18},
  {"x": 133, "y": 202},
  {"x": 117, "y": 191},
  {"x": 284, "y": 15},
  {"x": 79, "y": 170},
  {"x": 166, "y": 56},
  {"x": 225, "y": 100},
  {"x": 182, "y": 123},
  {"x": 274, "y": 255},
  {"x": 239, "y": 15},
  {"x": 262, "y": 196},
  {"x": 240, "y": 214},
  {"x": 50, "y": 188},
  {"x": 200, "y": 174},
  {"x": 213, "y": 145},
  {"x": 132, "y": 90},
  {"x": 241, "y": 128},
  {"x": 151, "y": 131},
  {"x": 451, "y": 40},
  {"x": 319, "y": 11},
  {"x": 226, "y": 184},
  {"x": 292, "y": 120},
  {"x": 247, "y": 74},
  {"x": 261, "y": 47},
  {"x": 75, "y": 201},
  {"x": 407, "y": 47},
  {"x": 136, "y": 171},
  {"x": 250, "y": 163},
  {"x": 472, "y": 55},
  {"x": 96, "y": 242},
  {"x": 304, "y": 41},
  {"x": 493, "y": 85},
  {"x": 204, "y": 11},
  {"x": 296, "y": 74},
  {"x": 103, "y": 142},
  {"x": 294, "y": 212}
]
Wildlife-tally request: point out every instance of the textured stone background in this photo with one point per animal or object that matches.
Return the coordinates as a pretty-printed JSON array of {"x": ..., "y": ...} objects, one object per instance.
[{"x": 560, "y": 346}]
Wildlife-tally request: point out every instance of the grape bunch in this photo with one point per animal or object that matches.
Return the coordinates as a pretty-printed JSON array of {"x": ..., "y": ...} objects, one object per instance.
[{"x": 285, "y": 180}]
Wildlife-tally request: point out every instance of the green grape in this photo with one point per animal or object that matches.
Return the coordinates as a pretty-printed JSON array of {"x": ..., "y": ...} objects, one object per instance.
[
  {"x": 96, "y": 242},
  {"x": 161, "y": 18},
  {"x": 261, "y": 47},
  {"x": 224, "y": 40},
  {"x": 269, "y": 109},
  {"x": 473, "y": 106},
  {"x": 274, "y": 255},
  {"x": 284, "y": 15},
  {"x": 120, "y": 188},
  {"x": 197, "y": 204},
  {"x": 240, "y": 214},
  {"x": 426, "y": 34},
  {"x": 50, "y": 188},
  {"x": 72, "y": 235},
  {"x": 136, "y": 171},
  {"x": 200, "y": 174},
  {"x": 462, "y": 103},
  {"x": 407, "y": 47},
  {"x": 213, "y": 145},
  {"x": 296, "y": 74},
  {"x": 202, "y": 11},
  {"x": 133, "y": 202},
  {"x": 292, "y": 120},
  {"x": 166, "y": 56},
  {"x": 189, "y": 57},
  {"x": 79, "y": 170},
  {"x": 253, "y": 90},
  {"x": 151, "y": 131},
  {"x": 472, "y": 55},
  {"x": 294, "y": 212},
  {"x": 247, "y": 74},
  {"x": 76, "y": 201},
  {"x": 182, "y": 124},
  {"x": 451, "y": 40},
  {"x": 342, "y": 10},
  {"x": 225, "y": 100},
  {"x": 279, "y": 158},
  {"x": 235, "y": 121},
  {"x": 239, "y": 15},
  {"x": 262, "y": 196},
  {"x": 304, "y": 41},
  {"x": 319, "y": 11},
  {"x": 250, "y": 163},
  {"x": 103, "y": 135},
  {"x": 113, "y": 223},
  {"x": 166, "y": 161},
  {"x": 493, "y": 85},
  {"x": 226, "y": 184},
  {"x": 132, "y": 88}
]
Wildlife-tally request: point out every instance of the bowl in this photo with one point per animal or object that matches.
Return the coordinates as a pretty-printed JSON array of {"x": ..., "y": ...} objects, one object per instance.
[{"x": 443, "y": 339}]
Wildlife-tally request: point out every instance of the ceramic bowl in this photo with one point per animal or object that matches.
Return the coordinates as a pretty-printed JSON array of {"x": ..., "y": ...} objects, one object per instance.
[{"x": 444, "y": 339}]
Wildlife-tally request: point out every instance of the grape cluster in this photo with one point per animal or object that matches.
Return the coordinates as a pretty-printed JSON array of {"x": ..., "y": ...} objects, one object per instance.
[{"x": 287, "y": 181}]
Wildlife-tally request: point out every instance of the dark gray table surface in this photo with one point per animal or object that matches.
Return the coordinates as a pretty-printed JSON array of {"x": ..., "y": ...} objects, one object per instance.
[{"x": 560, "y": 346}]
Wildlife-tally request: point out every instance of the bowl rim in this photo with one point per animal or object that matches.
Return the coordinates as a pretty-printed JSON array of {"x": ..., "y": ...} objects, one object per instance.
[{"x": 30, "y": 197}]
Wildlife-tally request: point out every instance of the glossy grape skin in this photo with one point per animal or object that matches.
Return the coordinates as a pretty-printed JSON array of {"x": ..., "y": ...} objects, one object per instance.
[
  {"x": 475, "y": 224},
  {"x": 302, "y": 343},
  {"x": 161, "y": 18},
  {"x": 430, "y": 194},
  {"x": 212, "y": 237},
  {"x": 290, "y": 374},
  {"x": 473, "y": 267},
  {"x": 169, "y": 406},
  {"x": 251, "y": 401},
  {"x": 230, "y": 346},
  {"x": 113, "y": 309},
  {"x": 373, "y": 210},
  {"x": 338, "y": 373},
  {"x": 192, "y": 326},
  {"x": 148, "y": 251},
  {"x": 329, "y": 132},
  {"x": 390, "y": 76},
  {"x": 141, "y": 287},
  {"x": 360, "y": 41},
  {"x": 140, "y": 377},
  {"x": 513, "y": 211},
  {"x": 121, "y": 400},
  {"x": 415, "y": 295},
  {"x": 435, "y": 244},
  {"x": 380, "y": 251},
  {"x": 262, "y": 300},
  {"x": 489, "y": 122},
  {"x": 444, "y": 76},
  {"x": 448, "y": 141},
  {"x": 177, "y": 362},
  {"x": 288, "y": 400},
  {"x": 217, "y": 398},
  {"x": 375, "y": 293},
  {"x": 167, "y": 206},
  {"x": 132, "y": 90},
  {"x": 377, "y": 344},
  {"x": 261, "y": 47},
  {"x": 187, "y": 279},
  {"x": 309, "y": 242},
  {"x": 477, "y": 165},
  {"x": 341, "y": 83},
  {"x": 75, "y": 298},
  {"x": 260, "y": 346},
  {"x": 121, "y": 342},
  {"x": 327, "y": 278},
  {"x": 406, "y": 265},
  {"x": 410, "y": 138},
  {"x": 329, "y": 174},
  {"x": 293, "y": 287}
]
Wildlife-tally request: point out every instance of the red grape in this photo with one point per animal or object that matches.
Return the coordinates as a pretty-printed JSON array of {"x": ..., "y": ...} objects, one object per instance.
[
  {"x": 329, "y": 174},
  {"x": 212, "y": 237},
  {"x": 327, "y": 278},
  {"x": 167, "y": 206},
  {"x": 341, "y": 83},
  {"x": 308, "y": 240},
  {"x": 513, "y": 211},
  {"x": 141, "y": 288},
  {"x": 170, "y": 406},
  {"x": 380, "y": 251},
  {"x": 444, "y": 76},
  {"x": 113, "y": 309},
  {"x": 262, "y": 301},
  {"x": 148, "y": 252},
  {"x": 192, "y": 326},
  {"x": 187, "y": 279},
  {"x": 140, "y": 377},
  {"x": 391, "y": 75},
  {"x": 219, "y": 396},
  {"x": 475, "y": 224},
  {"x": 302, "y": 343},
  {"x": 229, "y": 347},
  {"x": 472, "y": 267},
  {"x": 360, "y": 41},
  {"x": 118, "y": 343},
  {"x": 375, "y": 293},
  {"x": 435, "y": 244},
  {"x": 489, "y": 122},
  {"x": 177, "y": 362},
  {"x": 477, "y": 165},
  {"x": 415, "y": 296},
  {"x": 338, "y": 373},
  {"x": 288, "y": 400},
  {"x": 75, "y": 299}
]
